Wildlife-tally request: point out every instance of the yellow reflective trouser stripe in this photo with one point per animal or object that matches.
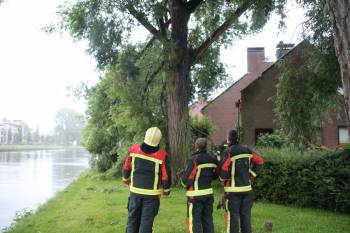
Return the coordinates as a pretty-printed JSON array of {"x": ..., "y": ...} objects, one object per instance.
[
  {"x": 145, "y": 191},
  {"x": 228, "y": 218},
  {"x": 190, "y": 222},
  {"x": 238, "y": 189},
  {"x": 146, "y": 158},
  {"x": 194, "y": 193}
]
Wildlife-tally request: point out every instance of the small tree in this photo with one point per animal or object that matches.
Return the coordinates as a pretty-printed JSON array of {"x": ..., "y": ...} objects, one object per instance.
[
  {"x": 68, "y": 127},
  {"x": 329, "y": 21},
  {"x": 307, "y": 92}
]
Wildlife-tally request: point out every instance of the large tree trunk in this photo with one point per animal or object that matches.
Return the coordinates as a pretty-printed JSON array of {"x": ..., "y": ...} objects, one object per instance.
[
  {"x": 340, "y": 15},
  {"x": 178, "y": 87}
]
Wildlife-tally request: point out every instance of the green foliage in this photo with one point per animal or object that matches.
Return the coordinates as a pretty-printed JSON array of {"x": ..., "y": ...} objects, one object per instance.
[
  {"x": 307, "y": 92},
  {"x": 107, "y": 26},
  {"x": 201, "y": 127},
  {"x": 314, "y": 179},
  {"x": 123, "y": 105},
  {"x": 136, "y": 83},
  {"x": 19, "y": 215},
  {"x": 275, "y": 140}
]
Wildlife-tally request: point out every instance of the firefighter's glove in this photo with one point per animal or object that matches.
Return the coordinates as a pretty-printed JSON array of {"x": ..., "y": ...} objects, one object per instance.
[{"x": 127, "y": 182}]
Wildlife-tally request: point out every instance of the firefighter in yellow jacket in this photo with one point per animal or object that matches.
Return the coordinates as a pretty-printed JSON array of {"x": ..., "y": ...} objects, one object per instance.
[{"x": 147, "y": 172}]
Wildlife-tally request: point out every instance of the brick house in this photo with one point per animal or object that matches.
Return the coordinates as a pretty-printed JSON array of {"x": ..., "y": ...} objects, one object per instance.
[
  {"x": 257, "y": 113},
  {"x": 256, "y": 89},
  {"x": 222, "y": 110}
]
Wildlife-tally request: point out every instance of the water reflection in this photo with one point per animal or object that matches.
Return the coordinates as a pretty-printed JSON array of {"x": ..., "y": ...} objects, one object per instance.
[{"x": 29, "y": 178}]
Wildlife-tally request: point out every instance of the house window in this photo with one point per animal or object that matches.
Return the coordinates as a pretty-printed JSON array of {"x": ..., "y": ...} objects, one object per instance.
[
  {"x": 259, "y": 132},
  {"x": 343, "y": 135}
]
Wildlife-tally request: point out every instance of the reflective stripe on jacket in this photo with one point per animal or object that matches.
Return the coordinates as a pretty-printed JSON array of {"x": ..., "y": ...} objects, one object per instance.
[
  {"x": 148, "y": 174},
  {"x": 239, "y": 165},
  {"x": 200, "y": 171}
]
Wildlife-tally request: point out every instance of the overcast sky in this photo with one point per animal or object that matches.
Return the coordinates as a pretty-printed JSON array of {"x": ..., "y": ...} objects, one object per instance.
[{"x": 36, "y": 68}]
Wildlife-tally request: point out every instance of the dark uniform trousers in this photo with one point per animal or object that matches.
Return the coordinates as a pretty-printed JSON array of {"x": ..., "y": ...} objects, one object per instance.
[
  {"x": 239, "y": 206},
  {"x": 142, "y": 211},
  {"x": 200, "y": 214}
]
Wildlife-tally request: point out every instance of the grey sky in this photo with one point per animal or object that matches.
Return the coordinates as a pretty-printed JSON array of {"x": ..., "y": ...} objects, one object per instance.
[{"x": 36, "y": 68}]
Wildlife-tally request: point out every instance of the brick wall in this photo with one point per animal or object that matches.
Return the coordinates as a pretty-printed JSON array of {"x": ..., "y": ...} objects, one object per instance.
[
  {"x": 257, "y": 111},
  {"x": 222, "y": 110},
  {"x": 257, "y": 106}
]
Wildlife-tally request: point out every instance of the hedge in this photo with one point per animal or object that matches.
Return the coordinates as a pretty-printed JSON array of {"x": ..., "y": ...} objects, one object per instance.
[{"x": 321, "y": 181}]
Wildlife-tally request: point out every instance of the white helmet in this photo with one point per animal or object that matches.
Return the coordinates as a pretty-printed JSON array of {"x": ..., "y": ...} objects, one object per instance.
[{"x": 153, "y": 136}]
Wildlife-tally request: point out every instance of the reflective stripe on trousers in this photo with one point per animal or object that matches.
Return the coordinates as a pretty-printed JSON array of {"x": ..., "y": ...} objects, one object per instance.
[
  {"x": 239, "y": 206},
  {"x": 200, "y": 215}
]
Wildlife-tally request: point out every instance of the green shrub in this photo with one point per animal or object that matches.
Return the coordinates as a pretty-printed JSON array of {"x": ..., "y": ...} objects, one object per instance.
[
  {"x": 277, "y": 139},
  {"x": 313, "y": 179},
  {"x": 201, "y": 127},
  {"x": 103, "y": 163}
]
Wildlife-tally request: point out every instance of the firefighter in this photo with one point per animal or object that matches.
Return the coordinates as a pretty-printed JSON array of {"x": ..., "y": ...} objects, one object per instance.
[
  {"x": 147, "y": 172},
  {"x": 197, "y": 178},
  {"x": 238, "y": 167}
]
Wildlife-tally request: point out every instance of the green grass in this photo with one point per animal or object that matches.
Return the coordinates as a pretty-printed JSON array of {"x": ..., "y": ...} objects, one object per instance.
[
  {"x": 31, "y": 147},
  {"x": 94, "y": 204}
]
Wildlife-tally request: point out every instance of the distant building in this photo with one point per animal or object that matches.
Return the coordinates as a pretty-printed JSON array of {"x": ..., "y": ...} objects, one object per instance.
[
  {"x": 222, "y": 110},
  {"x": 13, "y": 132}
]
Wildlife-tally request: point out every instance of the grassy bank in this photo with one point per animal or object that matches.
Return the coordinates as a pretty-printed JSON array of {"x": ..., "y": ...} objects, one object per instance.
[
  {"x": 32, "y": 147},
  {"x": 94, "y": 204}
]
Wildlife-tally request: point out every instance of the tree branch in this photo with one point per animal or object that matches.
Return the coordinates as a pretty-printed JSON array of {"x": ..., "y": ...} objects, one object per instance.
[
  {"x": 198, "y": 52},
  {"x": 192, "y": 5},
  {"x": 148, "y": 45},
  {"x": 162, "y": 97},
  {"x": 151, "y": 41},
  {"x": 143, "y": 21},
  {"x": 149, "y": 79}
]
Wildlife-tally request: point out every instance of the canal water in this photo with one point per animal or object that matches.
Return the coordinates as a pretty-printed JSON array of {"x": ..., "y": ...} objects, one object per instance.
[{"x": 30, "y": 178}]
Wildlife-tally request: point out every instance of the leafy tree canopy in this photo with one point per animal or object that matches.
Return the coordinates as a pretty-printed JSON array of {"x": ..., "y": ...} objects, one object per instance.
[
  {"x": 68, "y": 126},
  {"x": 187, "y": 36}
]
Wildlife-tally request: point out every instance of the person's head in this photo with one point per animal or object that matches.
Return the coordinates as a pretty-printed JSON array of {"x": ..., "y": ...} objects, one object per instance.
[
  {"x": 232, "y": 137},
  {"x": 153, "y": 136},
  {"x": 201, "y": 144}
]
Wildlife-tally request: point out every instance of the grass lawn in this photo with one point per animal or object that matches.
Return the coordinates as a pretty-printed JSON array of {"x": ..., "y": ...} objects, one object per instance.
[{"x": 96, "y": 205}]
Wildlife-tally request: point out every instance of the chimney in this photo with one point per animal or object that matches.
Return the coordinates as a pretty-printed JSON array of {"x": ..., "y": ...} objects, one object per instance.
[
  {"x": 282, "y": 49},
  {"x": 255, "y": 57}
]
